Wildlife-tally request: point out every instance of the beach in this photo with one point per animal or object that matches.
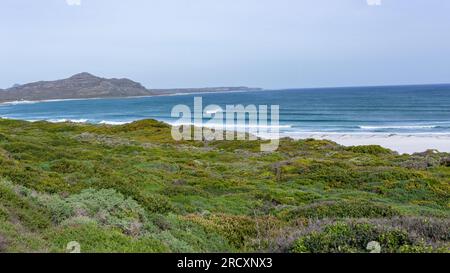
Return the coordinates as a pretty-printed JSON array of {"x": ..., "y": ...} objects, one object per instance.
[
  {"x": 405, "y": 143},
  {"x": 400, "y": 143},
  {"x": 406, "y": 119}
]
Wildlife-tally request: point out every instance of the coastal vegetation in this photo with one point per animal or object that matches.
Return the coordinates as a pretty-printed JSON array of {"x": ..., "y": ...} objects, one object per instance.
[{"x": 131, "y": 188}]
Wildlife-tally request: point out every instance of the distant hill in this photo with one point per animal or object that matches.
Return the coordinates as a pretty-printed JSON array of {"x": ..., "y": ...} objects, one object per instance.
[{"x": 85, "y": 85}]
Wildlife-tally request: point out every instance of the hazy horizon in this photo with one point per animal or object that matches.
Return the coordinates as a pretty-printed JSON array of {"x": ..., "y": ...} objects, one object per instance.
[
  {"x": 258, "y": 43},
  {"x": 280, "y": 89}
]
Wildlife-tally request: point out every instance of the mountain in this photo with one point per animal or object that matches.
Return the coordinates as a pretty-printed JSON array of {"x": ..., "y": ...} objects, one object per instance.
[
  {"x": 82, "y": 85},
  {"x": 85, "y": 85}
]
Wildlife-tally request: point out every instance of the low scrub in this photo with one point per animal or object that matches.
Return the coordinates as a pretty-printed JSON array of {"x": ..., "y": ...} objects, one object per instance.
[{"x": 132, "y": 188}]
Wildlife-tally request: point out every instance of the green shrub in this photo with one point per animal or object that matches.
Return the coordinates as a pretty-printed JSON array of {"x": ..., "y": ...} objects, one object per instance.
[
  {"x": 109, "y": 208},
  {"x": 242, "y": 232},
  {"x": 238, "y": 230},
  {"x": 3, "y": 213},
  {"x": 24, "y": 211},
  {"x": 60, "y": 209},
  {"x": 106, "y": 207},
  {"x": 345, "y": 237},
  {"x": 94, "y": 238},
  {"x": 134, "y": 182},
  {"x": 370, "y": 149},
  {"x": 155, "y": 203},
  {"x": 423, "y": 249},
  {"x": 341, "y": 209}
]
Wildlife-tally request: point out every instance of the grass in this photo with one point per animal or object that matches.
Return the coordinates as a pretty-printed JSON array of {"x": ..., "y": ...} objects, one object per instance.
[{"x": 131, "y": 188}]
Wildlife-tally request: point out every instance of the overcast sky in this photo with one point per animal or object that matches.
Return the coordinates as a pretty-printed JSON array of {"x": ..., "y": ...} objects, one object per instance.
[{"x": 196, "y": 43}]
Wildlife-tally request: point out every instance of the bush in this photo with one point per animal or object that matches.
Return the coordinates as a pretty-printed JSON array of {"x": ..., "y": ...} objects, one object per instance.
[
  {"x": 26, "y": 212},
  {"x": 3, "y": 244},
  {"x": 109, "y": 208},
  {"x": 133, "y": 184},
  {"x": 106, "y": 207},
  {"x": 3, "y": 213},
  {"x": 60, "y": 209},
  {"x": 341, "y": 209},
  {"x": 370, "y": 149},
  {"x": 93, "y": 238},
  {"x": 423, "y": 249},
  {"x": 155, "y": 203},
  {"x": 242, "y": 232},
  {"x": 236, "y": 229},
  {"x": 405, "y": 234},
  {"x": 345, "y": 237}
]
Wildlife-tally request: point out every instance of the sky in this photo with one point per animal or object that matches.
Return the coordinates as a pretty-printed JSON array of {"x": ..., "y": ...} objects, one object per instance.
[{"x": 272, "y": 44}]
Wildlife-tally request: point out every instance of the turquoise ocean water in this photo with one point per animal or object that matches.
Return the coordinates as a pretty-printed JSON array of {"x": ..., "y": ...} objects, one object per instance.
[{"x": 387, "y": 110}]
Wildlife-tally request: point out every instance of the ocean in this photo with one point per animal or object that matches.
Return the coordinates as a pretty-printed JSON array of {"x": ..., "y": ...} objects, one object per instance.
[{"x": 355, "y": 110}]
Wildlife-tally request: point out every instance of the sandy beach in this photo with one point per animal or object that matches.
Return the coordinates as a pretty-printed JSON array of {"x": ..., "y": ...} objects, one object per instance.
[{"x": 401, "y": 143}]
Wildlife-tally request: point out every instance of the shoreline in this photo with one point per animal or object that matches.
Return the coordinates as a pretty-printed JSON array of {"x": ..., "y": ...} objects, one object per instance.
[
  {"x": 400, "y": 142},
  {"x": 403, "y": 143},
  {"x": 16, "y": 102},
  {"x": 212, "y": 92}
]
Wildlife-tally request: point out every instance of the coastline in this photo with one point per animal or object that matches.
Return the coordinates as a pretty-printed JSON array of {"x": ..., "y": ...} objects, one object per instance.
[
  {"x": 128, "y": 97},
  {"x": 401, "y": 143},
  {"x": 139, "y": 170}
]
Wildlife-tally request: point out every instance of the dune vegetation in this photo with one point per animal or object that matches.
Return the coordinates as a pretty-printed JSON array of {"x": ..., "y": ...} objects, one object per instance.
[{"x": 131, "y": 188}]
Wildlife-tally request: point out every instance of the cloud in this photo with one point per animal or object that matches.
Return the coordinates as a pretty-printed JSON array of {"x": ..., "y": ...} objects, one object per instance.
[
  {"x": 374, "y": 2},
  {"x": 73, "y": 2}
]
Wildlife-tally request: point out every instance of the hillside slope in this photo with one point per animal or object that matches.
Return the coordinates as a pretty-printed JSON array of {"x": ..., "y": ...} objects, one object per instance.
[
  {"x": 130, "y": 188},
  {"x": 82, "y": 85},
  {"x": 85, "y": 86}
]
